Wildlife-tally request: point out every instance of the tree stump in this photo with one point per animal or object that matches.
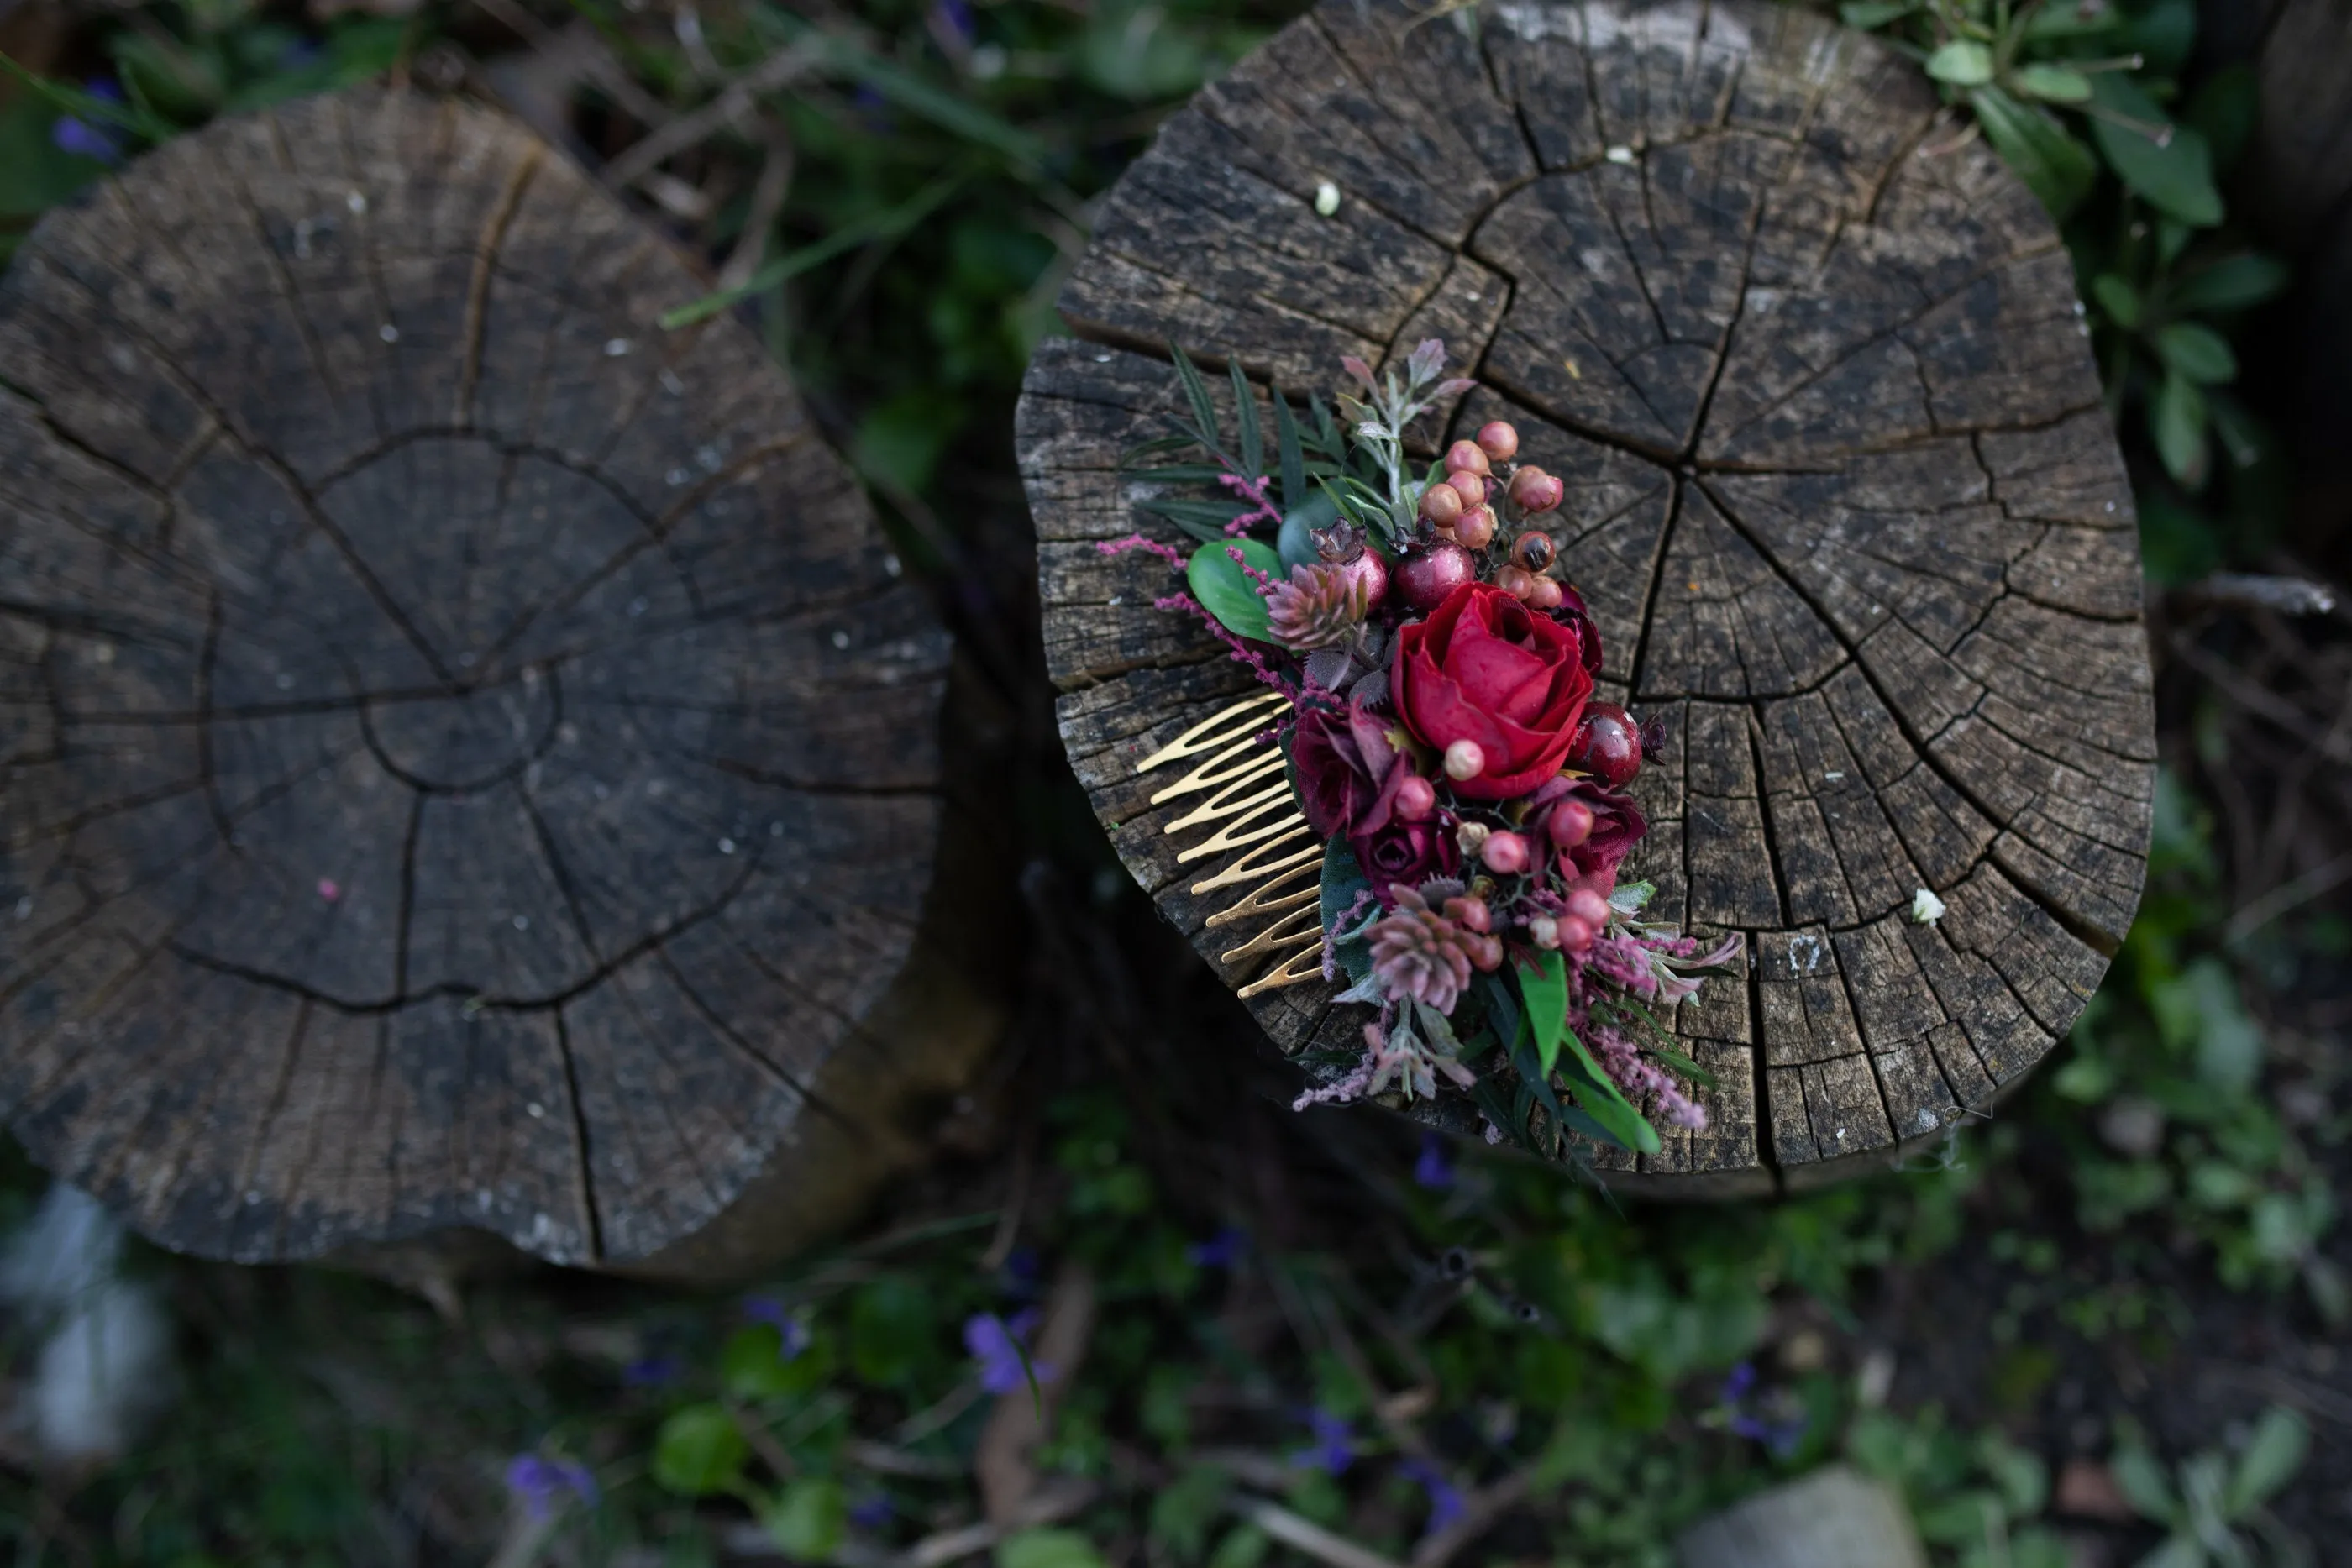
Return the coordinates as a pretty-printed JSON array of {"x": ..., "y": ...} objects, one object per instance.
[
  {"x": 1841, "y": 495},
  {"x": 467, "y": 757}
]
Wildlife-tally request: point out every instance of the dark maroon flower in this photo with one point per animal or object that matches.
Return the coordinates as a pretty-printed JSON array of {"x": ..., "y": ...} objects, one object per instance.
[
  {"x": 1349, "y": 770},
  {"x": 1487, "y": 669},
  {"x": 1617, "y": 826},
  {"x": 1405, "y": 854}
]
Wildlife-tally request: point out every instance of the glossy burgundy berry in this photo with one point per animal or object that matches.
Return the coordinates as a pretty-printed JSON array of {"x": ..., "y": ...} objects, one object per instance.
[
  {"x": 1532, "y": 551},
  {"x": 1441, "y": 503},
  {"x": 1607, "y": 746},
  {"x": 1499, "y": 440},
  {"x": 1370, "y": 570},
  {"x": 1464, "y": 455},
  {"x": 1425, "y": 577},
  {"x": 1533, "y": 490},
  {"x": 1570, "y": 824},
  {"x": 1506, "y": 854},
  {"x": 1476, "y": 528},
  {"x": 1590, "y": 907},
  {"x": 1416, "y": 797}
]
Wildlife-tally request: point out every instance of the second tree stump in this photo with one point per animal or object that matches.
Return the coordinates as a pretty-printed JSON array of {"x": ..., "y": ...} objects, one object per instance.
[{"x": 1841, "y": 492}]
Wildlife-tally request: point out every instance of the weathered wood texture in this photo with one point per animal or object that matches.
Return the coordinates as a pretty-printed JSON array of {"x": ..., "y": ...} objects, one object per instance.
[
  {"x": 1839, "y": 491},
  {"x": 466, "y": 757}
]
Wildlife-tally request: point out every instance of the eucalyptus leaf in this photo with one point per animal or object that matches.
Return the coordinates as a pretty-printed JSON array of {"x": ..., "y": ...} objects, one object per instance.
[
  {"x": 1226, "y": 592},
  {"x": 2058, "y": 169},
  {"x": 2171, "y": 167}
]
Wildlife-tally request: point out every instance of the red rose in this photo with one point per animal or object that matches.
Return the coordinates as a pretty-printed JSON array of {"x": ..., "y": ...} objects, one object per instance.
[
  {"x": 1348, "y": 770},
  {"x": 1485, "y": 668},
  {"x": 1403, "y": 854}
]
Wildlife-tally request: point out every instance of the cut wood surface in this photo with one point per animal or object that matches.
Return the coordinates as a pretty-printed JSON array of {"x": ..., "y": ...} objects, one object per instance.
[
  {"x": 1840, "y": 493},
  {"x": 467, "y": 757}
]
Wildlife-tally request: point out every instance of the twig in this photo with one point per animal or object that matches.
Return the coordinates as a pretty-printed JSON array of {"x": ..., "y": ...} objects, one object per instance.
[
  {"x": 2248, "y": 590},
  {"x": 1051, "y": 1505},
  {"x": 1305, "y": 1535},
  {"x": 1000, "y": 1461},
  {"x": 2255, "y": 700},
  {"x": 763, "y": 1442},
  {"x": 767, "y": 201},
  {"x": 2311, "y": 885},
  {"x": 779, "y": 70},
  {"x": 1480, "y": 1510},
  {"x": 884, "y": 1460}
]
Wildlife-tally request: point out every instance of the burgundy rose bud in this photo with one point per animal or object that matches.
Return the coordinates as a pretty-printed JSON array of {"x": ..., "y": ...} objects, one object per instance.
[
  {"x": 1576, "y": 936},
  {"x": 1441, "y": 503},
  {"x": 1590, "y": 907},
  {"x": 1470, "y": 487},
  {"x": 1570, "y": 824},
  {"x": 1416, "y": 797},
  {"x": 1547, "y": 594},
  {"x": 1470, "y": 914},
  {"x": 1533, "y": 490},
  {"x": 1607, "y": 746},
  {"x": 1464, "y": 455},
  {"x": 1544, "y": 932},
  {"x": 1465, "y": 760},
  {"x": 1506, "y": 854},
  {"x": 1427, "y": 578},
  {"x": 1476, "y": 531},
  {"x": 1499, "y": 440},
  {"x": 1654, "y": 737},
  {"x": 1532, "y": 551},
  {"x": 1485, "y": 952}
]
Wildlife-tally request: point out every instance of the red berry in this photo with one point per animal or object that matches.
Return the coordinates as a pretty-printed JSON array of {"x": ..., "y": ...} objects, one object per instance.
[
  {"x": 1532, "y": 551},
  {"x": 1470, "y": 487},
  {"x": 1517, "y": 581},
  {"x": 1416, "y": 797},
  {"x": 1506, "y": 854},
  {"x": 1576, "y": 936},
  {"x": 1470, "y": 914},
  {"x": 1370, "y": 570},
  {"x": 1441, "y": 503},
  {"x": 1608, "y": 745},
  {"x": 1475, "y": 529},
  {"x": 1590, "y": 907},
  {"x": 1499, "y": 440},
  {"x": 1547, "y": 594},
  {"x": 1465, "y": 455},
  {"x": 1570, "y": 824},
  {"x": 1425, "y": 577},
  {"x": 1533, "y": 490}
]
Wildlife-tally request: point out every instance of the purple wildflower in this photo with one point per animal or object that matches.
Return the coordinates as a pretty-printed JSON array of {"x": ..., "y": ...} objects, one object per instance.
[
  {"x": 954, "y": 17},
  {"x": 541, "y": 1482},
  {"x": 1445, "y": 1505},
  {"x": 1222, "y": 1251},
  {"x": 1434, "y": 1168},
  {"x": 1024, "y": 1271},
  {"x": 1776, "y": 1422},
  {"x": 998, "y": 1345},
  {"x": 299, "y": 54},
  {"x": 1333, "y": 1447},
  {"x": 85, "y": 140},
  {"x": 793, "y": 1332},
  {"x": 871, "y": 1512},
  {"x": 652, "y": 1371}
]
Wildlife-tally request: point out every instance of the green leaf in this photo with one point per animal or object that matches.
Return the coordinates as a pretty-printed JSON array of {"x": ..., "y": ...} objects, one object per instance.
[
  {"x": 2051, "y": 84},
  {"x": 1544, "y": 989},
  {"x": 1343, "y": 883},
  {"x": 2225, "y": 111},
  {"x": 1187, "y": 1508},
  {"x": 2177, "y": 424},
  {"x": 2198, "y": 353},
  {"x": 752, "y": 1365},
  {"x": 1295, "y": 493},
  {"x": 808, "y": 1519},
  {"x": 2058, "y": 169},
  {"x": 1963, "y": 62},
  {"x": 1048, "y": 1549},
  {"x": 2141, "y": 1480},
  {"x": 877, "y": 227},
  {"x": 698, "y": 1451},
  {"x": 1293, "y": 541},
  {"x": 2162, "y": 34},
  {"x": 1682, "y": 1064},
  {"x": 1196, "y": 396},
  {"x": 2232, "y": 283},
  {"x": 1867, "y": 14},
  {"x": 2171, "y": 167},
  {"x": 2118, "y": 299},
  {"x": 1253, "y": 440},
  {"x": 1226, "y": 592},
  {"x": 2272, "y": 1456}
]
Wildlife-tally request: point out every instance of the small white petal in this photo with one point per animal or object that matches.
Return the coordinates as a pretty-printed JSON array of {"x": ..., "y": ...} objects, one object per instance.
[{"x": 1926, "y": 908}]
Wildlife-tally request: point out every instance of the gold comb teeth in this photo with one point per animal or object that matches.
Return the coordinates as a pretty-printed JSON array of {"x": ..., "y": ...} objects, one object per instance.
[{"x": 1250, "y": 805}]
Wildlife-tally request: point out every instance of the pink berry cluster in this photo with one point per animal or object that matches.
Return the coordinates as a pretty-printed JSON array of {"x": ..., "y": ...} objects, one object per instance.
[{"x": 1459, "y": 513}]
